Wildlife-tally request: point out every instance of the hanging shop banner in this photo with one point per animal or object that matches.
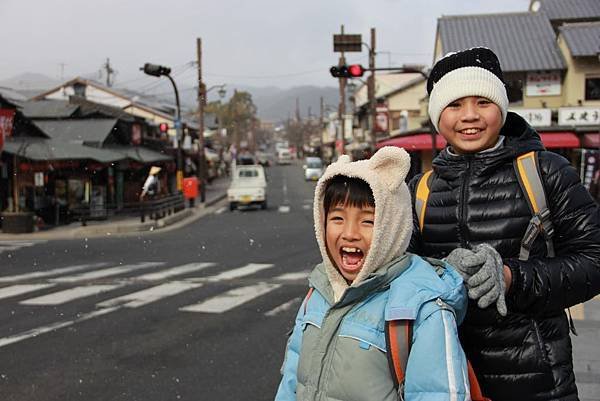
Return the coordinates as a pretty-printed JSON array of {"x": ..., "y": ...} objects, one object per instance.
[
  {"x": 543, "y": 84},
  {"x": 589, "y": 166},
  {"x": 381, "y": 119},
  {"x": 6, "y": 124},
  {"x": 579, "y": 116},
  {"x": 136, "y": 134},
  {"x": 536, "y": 117}
]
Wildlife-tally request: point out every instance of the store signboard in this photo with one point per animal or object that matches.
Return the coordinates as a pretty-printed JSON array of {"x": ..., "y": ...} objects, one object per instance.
[
  {"x": 6, "y": 124},
  {"x": 381, "y": 119},
  {"x": 589, "y": 166},
  {"x": 536, "y": 117},
  {"x": 543, "y": 84},
  {"x": 579, "y": 116}
]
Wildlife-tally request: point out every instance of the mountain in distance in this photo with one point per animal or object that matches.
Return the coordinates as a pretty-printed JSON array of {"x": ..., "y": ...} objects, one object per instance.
[{"x": 273, "y": 103}]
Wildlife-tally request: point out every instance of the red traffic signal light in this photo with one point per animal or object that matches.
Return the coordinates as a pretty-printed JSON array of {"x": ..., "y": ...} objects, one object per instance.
[
  {"x": 163, "y": 127},
  {"x": 347, "y": 71}
]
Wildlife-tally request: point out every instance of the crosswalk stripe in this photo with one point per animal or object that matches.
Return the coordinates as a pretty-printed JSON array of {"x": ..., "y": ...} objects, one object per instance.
[
  {"x": 48, "y": 273},
  {"x": 150, "y": 295},
  {"x": 52, "y": 327},
  {"x": 111, "y": 271},
  {"x": 283, "y": 307},
  {"x": 175, "y": 271},
  {"x": 284, "y": 209},
  {"x": 71, "y": 294},
  {"x": 19, "y": 289},
  {"x": 292, "y": 276},
  {"x": 231, "y": 299},
  {"x": 246, "y": 270}
]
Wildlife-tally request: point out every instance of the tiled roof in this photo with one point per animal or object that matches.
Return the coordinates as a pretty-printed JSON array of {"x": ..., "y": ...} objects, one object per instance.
[
  {"x": 43, "y": 149},
  {"x": 87, "y": 131},
  {"x": 569, "y": 9},
  {"x": 583, "y": 39},
  {"x": 522, "y": 41},
  {"x": 48, "y": 109}
]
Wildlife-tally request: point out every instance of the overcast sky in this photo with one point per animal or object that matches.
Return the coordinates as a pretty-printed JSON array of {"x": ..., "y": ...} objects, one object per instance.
[{"x": 250, "y": 42}]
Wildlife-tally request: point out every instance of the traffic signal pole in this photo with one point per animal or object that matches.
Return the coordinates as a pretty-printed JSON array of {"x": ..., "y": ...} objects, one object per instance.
[
  {"x": 201, "y": 102},
  {"x": 371, "y": 91},
  {"x": 342, "y": 107}
]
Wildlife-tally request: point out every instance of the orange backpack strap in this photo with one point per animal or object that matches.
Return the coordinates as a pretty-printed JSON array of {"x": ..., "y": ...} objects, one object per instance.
[
  {"x": 398, "y": 337},
  {"x": 422, "y": 196}
]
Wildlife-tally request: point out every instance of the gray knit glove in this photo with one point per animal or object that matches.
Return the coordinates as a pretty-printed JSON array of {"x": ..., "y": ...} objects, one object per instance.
[
  {"x": 487, "y": 285},
  {"x": 466, "y": 262}
]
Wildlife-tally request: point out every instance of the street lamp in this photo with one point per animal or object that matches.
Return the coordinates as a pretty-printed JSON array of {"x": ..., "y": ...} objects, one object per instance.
[{"x": 156, "y": 70}]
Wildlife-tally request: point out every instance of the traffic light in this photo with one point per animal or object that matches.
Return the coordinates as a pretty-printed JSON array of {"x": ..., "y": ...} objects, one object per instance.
[
  {"x": 347, "y": 71},
  {"x": 155, "y": 70},
  {"x": 163, "y": 128}
]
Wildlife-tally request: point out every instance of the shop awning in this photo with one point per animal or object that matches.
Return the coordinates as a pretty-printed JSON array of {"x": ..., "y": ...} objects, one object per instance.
[
  {"x": 591, "y": 140},
  {"x": 43, "y": 149},
  {"x": 553, "y": 140},
  {"x": 140, "y": 154},
  {"x": 414, "y": 142}
]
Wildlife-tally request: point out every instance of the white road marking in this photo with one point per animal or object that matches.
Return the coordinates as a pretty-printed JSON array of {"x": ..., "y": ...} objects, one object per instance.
[
  {"x": 62, "y": 297},
  {"x": 52, "y": 327},
  {"x": 231, "y": 299},
  {"x": 250, "y": 268},
  {"x": 292, "y": 276},
  {"x": 47, "y": 273},
  {"x": 174, "y": 271},
  {"x": 283, "y": 209},
  {"x": 149, "y": 295},
  {"x": 283, "y": 307},
  {"x": 19, "y": 289},
  {"x": 220, "y": 210},
  {"x": 111, "y": 271},
  {"x": 15, "y": 245},
  {"x": 306, "y": 207}
]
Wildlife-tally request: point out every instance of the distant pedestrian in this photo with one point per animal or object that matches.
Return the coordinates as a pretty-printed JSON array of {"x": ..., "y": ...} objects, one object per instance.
[
  {"x": 516, "y": 333},
  {"x": 337, "y": 350},
  {"x": 151, "y": 186}
]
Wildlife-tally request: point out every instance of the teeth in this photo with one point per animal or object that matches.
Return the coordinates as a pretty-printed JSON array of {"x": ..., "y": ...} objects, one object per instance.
[
  {"x": 348, "y": 249},
  {"x": 470, "y": 131}
]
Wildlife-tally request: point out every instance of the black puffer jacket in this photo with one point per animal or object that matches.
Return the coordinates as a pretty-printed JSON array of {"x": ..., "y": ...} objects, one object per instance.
[{"x": 476, "y": 198}]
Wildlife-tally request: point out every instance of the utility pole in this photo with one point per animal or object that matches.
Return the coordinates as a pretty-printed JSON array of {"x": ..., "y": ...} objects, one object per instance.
[
  {"x": 109, "y": 72},
  {"x": 342, "y": 107},
  {"x": 201, "y": 102},
  {"x": 371, "y": 91},
  {"x": 321, "y": 120}
]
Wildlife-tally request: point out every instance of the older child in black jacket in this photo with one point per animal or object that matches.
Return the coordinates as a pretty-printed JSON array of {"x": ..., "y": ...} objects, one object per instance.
[{"x": 516, "y": 333}]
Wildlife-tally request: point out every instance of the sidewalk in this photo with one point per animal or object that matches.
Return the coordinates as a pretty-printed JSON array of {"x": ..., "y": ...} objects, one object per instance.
[{"x": 122, "y": 225}]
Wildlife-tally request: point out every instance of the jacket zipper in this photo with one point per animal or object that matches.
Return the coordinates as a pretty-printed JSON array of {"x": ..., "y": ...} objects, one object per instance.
[{"x": 462, "y": 232}]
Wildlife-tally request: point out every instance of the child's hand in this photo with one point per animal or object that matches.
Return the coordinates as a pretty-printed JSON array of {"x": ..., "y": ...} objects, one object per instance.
[
  {"x": 488, "y": 285},
  {"x": 466, "y": 262}
]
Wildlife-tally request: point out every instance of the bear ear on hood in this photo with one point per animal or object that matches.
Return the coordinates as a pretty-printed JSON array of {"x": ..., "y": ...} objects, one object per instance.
[
  {"x": 344, "y": 159},
  {"x": 391, "y": 164}
]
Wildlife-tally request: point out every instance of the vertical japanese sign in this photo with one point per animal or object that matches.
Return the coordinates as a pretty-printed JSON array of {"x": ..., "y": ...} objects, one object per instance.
[
  {"x": 381, "y": 118},
  {"x": 6, "y": 124},
  {"x": 589, "y": 167},
  {"x": 136, "y": 134}
]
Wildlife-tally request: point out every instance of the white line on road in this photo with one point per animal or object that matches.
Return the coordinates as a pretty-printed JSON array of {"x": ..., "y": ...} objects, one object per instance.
[
  {"x": 220, "y": 210},
  {"x": 174, "y": 271},
  {"x": 47, "y": 273},
  {"x": 51, "y": 327},
  {"x": 284, "y": 209},
  {"x": 111, "y": 271},
  {"x": 230, "y": 299},
  {"x": 19, "y": 289},
  {"x": 246, "y": 270},
  {"x": 62, "y": 297},
  {"x": 307, "y": 207},
  {"x": 292, "y": 276},
  {"x": 149, "y": 295},
  {"x": 283, "y": 307}
]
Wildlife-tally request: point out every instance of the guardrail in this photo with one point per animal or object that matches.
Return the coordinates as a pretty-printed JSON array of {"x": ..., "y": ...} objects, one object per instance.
[{"x": 161, "y": 207}]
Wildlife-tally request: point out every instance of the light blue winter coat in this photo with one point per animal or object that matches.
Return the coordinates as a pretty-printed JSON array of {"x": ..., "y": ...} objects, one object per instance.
[{"x": 337, "y": 350}]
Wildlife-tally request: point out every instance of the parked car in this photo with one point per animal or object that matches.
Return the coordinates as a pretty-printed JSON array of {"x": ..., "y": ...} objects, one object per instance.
[
  {"x": 264, "y": 158},
  {"x": 313, "y": 168},
  {"x": 284, "y": 156},
  {"x": 248, "y": 187}
]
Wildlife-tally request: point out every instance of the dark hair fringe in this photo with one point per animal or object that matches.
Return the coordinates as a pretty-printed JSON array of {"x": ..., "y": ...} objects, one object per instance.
[{"x": 350, "y": 191}]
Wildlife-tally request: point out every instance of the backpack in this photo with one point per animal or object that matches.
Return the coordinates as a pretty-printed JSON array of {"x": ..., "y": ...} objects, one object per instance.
[{"x": 529, "y": 177}]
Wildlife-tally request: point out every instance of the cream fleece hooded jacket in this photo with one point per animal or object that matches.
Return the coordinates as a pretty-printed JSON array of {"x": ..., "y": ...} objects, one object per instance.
[{"x": 385, "y": 172}]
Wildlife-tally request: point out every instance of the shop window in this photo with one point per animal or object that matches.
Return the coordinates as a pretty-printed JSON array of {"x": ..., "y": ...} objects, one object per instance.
[{"x": 592, "y": 88}]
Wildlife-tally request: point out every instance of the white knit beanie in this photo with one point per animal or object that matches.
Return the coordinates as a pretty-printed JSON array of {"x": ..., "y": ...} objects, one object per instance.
[{"x": 471, "y": 72}]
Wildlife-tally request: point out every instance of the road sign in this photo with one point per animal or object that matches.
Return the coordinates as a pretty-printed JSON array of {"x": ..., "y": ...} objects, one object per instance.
[{"x": 347, "y": 43}]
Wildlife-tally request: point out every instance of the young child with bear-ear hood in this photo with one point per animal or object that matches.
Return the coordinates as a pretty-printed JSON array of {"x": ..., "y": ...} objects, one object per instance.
[{"x": 337, "y": 350}]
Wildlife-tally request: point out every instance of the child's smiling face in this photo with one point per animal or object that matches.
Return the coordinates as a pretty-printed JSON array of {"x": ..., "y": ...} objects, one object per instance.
[{"x": 348, "y": 235}]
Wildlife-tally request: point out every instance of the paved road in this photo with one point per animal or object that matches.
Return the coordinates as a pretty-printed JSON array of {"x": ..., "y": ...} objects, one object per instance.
[{"x": 198, "y": 313}]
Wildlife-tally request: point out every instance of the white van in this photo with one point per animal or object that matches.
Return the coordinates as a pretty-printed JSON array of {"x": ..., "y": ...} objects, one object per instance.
[
  {"x": 313, "y": 168},
  {"x": 284, "y": 156}
]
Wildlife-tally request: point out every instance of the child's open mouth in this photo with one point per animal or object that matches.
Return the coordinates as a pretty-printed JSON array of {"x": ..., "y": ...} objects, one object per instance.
[{"x": 352, "y": 259}]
